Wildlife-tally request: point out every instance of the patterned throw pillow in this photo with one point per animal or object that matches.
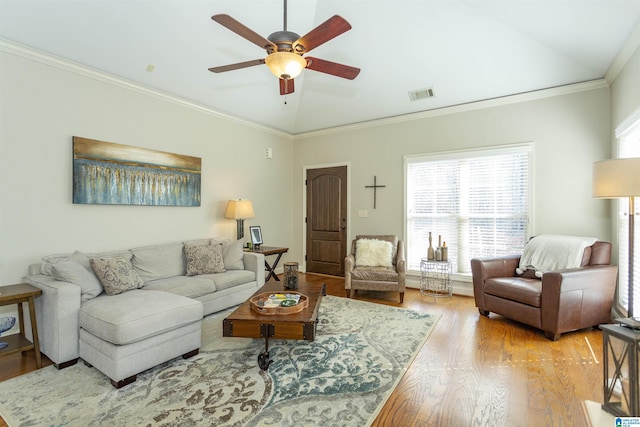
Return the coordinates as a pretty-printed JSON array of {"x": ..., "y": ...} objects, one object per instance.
[
  {"x": 203, "y": 259},
  {"x": 116, "y": 275}
]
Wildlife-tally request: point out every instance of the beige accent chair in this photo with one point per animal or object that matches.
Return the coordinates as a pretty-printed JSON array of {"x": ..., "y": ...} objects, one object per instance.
[{"x": 376, "y": 278}]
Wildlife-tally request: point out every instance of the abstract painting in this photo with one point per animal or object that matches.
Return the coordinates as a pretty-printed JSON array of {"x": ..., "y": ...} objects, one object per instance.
[{"x": 105, "y": 173}]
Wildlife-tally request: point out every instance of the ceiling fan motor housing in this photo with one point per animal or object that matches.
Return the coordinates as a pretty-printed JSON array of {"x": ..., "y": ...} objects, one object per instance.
[{"x": 284, "y": 41}]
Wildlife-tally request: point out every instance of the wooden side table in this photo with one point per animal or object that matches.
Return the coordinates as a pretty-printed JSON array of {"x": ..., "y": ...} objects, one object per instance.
[
  {"x": 17, "y": 294},
  {"x": 269, "y": 250}
]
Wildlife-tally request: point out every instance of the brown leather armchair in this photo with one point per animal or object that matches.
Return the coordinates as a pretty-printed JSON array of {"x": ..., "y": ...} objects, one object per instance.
[
  {"x": 376, "y": 278},
  {"x": 562, "y": 301}
]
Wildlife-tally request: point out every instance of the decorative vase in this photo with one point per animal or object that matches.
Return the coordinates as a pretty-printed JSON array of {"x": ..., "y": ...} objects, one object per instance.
[
  {"x": 290, "y": 275},
  {"x": 430, "y": 253},
  {"x": 6, "y": 323}
]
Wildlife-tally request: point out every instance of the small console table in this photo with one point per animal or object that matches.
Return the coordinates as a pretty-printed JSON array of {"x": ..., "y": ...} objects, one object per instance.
[
  {"x": 17, "y": 294},
  {"x": 266, "y": 251},
  {"x": 435, "y": 280}
]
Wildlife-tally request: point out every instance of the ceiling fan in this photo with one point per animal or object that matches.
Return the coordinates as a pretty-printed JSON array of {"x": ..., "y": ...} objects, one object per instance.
[{"x": 285, "y": 49}]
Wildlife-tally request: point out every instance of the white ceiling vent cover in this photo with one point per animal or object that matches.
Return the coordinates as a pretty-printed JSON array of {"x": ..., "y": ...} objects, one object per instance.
[{"x": 414, "y": 95}]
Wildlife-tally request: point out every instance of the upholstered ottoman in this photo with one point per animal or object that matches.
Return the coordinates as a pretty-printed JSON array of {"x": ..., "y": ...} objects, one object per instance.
[{"x": 124, "y": 334}]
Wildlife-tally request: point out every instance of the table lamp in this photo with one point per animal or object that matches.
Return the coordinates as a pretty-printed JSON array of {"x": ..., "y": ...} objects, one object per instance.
[
  {"x": 617, "y": 178},
  {"x": 239, "y": 209}
]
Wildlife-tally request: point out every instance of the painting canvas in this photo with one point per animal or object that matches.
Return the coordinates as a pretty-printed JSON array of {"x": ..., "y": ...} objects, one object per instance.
[{"x": 105, "y": 173}]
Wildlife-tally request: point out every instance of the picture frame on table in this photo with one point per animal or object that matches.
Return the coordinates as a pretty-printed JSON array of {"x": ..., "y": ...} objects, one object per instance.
[{"x": 256, "y": 235}]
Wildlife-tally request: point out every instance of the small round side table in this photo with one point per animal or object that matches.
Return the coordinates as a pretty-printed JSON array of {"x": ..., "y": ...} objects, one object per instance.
[{"x": 435, "y": 280}]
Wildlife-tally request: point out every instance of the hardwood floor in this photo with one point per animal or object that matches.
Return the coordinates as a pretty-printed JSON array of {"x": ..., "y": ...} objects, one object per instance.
[{"x": 472, "y": 370}]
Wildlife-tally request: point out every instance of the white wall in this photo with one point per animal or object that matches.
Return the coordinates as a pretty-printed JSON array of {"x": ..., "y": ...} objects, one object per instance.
[
  {"x": 625, "y": 102},
  {"x": 44, "y": 105},
  {"x": 569, "y": 131},
  {"x": 625, "y": 91}
]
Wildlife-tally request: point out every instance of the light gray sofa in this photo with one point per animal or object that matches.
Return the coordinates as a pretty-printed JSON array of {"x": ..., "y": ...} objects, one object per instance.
[{"x": 155, "y": 318}]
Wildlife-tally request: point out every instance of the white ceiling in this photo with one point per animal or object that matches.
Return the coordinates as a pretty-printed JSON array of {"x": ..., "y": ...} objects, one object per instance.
[{"x": 466, "y": 50}]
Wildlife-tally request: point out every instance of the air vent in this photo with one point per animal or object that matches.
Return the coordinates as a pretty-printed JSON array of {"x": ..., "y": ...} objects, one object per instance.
[{"x": 414, "y": 95}]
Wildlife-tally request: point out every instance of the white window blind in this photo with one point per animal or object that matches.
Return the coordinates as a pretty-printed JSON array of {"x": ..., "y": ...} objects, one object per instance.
[
  {"x": 628, "y": 146},
  {"x": 478, "y": 201}
]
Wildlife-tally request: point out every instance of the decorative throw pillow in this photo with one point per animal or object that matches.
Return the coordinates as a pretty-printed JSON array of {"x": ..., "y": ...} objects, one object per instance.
[
  {"x": 233, "y": 255},
  {"x": 373, "y": 253},
  {"x": 203, "y": 259},
  {"x": 79, "y": 275},
  {"x": 116, "y": 275}
]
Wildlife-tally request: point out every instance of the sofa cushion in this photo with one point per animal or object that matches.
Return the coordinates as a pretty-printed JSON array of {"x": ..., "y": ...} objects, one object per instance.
[
  {"x": 186, "y": 286},
  {"x": 158, "y": 261},
  {"x": 380, "y": 274},
  {"x": 137, "y": 315},
  {"x": 232, "y": 278},
  {"x": 116, "y": 274},
  {"x": 83, "y": 258},
  {"x": 526, "y": 291},
  {"x": 203, "y": 259},
  {"x": 80, "y": 275},
  {"x": 233, "y": 255},
  {"x": 373, "y": 253}
]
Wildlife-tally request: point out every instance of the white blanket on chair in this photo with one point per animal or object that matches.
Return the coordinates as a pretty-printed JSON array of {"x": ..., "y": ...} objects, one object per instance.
[{"x": 549, "y": 252}]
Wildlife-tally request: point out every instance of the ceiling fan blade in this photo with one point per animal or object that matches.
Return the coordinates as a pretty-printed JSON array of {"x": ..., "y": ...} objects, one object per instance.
[
  {"x": 324, "y": 32},
  {"x": 333, "y": 68},
  {"x": 286, "y": 86},
  {"x": 236, "y": 66},
  {"x": 241, "y": 30}
]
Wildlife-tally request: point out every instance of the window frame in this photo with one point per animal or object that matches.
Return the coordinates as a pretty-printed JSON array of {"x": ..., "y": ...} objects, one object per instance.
[
  {"x": 620, "y": 208},
  {"x": 471, "y": 153}
]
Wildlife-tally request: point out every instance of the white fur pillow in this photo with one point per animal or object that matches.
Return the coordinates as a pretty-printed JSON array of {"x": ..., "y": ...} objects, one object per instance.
[{"x": 373, "y": 253}]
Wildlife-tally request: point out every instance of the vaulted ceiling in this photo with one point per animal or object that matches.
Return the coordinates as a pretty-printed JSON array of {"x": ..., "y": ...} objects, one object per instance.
[{"x": 464, "y": 50}]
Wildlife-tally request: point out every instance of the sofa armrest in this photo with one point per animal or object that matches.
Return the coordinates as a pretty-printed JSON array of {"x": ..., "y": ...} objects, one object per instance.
[
  {"x": 255, "y": 262},
  {"x": 593, "y": 287},
  {"x": 57, "y": 315}
]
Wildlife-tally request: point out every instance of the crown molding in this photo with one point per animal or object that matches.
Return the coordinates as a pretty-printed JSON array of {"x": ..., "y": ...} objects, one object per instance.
[
  {"x": 460, "y": 108},
  {"x": 82, "y": 70}
]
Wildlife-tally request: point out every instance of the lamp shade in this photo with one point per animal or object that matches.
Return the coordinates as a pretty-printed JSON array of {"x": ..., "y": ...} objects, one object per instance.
[
  {"x": 239, "y": 209},
  {"x": 285, "y": 65},
  {"x": 616, "y": 178}
]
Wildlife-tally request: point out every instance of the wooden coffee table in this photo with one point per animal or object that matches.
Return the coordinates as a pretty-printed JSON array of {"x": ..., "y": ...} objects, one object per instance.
[{"x": 245, "y": 322}]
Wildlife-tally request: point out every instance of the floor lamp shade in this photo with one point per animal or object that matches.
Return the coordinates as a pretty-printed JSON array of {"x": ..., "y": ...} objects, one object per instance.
[
  {"x": 616, "y": 178},
  {"x": 239, "y": 209},
  {"x": 619, "y": 178}
]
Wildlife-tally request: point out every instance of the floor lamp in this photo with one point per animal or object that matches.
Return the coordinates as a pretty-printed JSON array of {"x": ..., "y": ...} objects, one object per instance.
[
  {"x": 619, "y": 178},
  {"x": 239, "y": 209}
]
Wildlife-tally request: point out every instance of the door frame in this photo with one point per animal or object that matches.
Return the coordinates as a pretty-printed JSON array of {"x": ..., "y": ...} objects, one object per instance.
[{"x": 303, "y": 264}]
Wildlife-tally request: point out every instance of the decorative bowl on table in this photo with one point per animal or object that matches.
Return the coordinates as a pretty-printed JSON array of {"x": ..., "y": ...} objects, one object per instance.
[{"x": 6, "y": 323}]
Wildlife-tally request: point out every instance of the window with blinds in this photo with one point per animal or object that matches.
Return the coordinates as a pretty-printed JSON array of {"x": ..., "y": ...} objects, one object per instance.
[
  {"x": 477, "y": 201},
  {"x": 628, "y": 146}
]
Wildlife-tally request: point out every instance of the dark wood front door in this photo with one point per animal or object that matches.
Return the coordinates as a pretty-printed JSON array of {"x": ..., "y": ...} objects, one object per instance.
[{"x": 326, "y": 220}]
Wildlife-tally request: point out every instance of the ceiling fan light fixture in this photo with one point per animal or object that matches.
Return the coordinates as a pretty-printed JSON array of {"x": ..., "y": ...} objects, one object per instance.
[{"x": 285, "y": 65}]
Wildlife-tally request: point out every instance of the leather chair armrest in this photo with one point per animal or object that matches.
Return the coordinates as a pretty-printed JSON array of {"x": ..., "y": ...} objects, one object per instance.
[
  {"x": 591, "y": 288},
  {"x": 579, "y": 278},
  {"x": 488, "y": 268}
]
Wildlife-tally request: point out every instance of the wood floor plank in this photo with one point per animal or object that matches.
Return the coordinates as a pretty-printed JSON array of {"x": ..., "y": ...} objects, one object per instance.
[{"x": 473, "y": 370}]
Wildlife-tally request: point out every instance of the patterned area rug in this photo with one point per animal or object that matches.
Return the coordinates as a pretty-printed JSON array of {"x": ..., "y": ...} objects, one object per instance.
[{"x": 341, "y": 379}]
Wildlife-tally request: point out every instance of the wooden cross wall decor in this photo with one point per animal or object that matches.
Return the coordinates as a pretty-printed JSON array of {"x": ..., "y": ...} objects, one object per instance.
[{"x": 375, "y": 187}]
